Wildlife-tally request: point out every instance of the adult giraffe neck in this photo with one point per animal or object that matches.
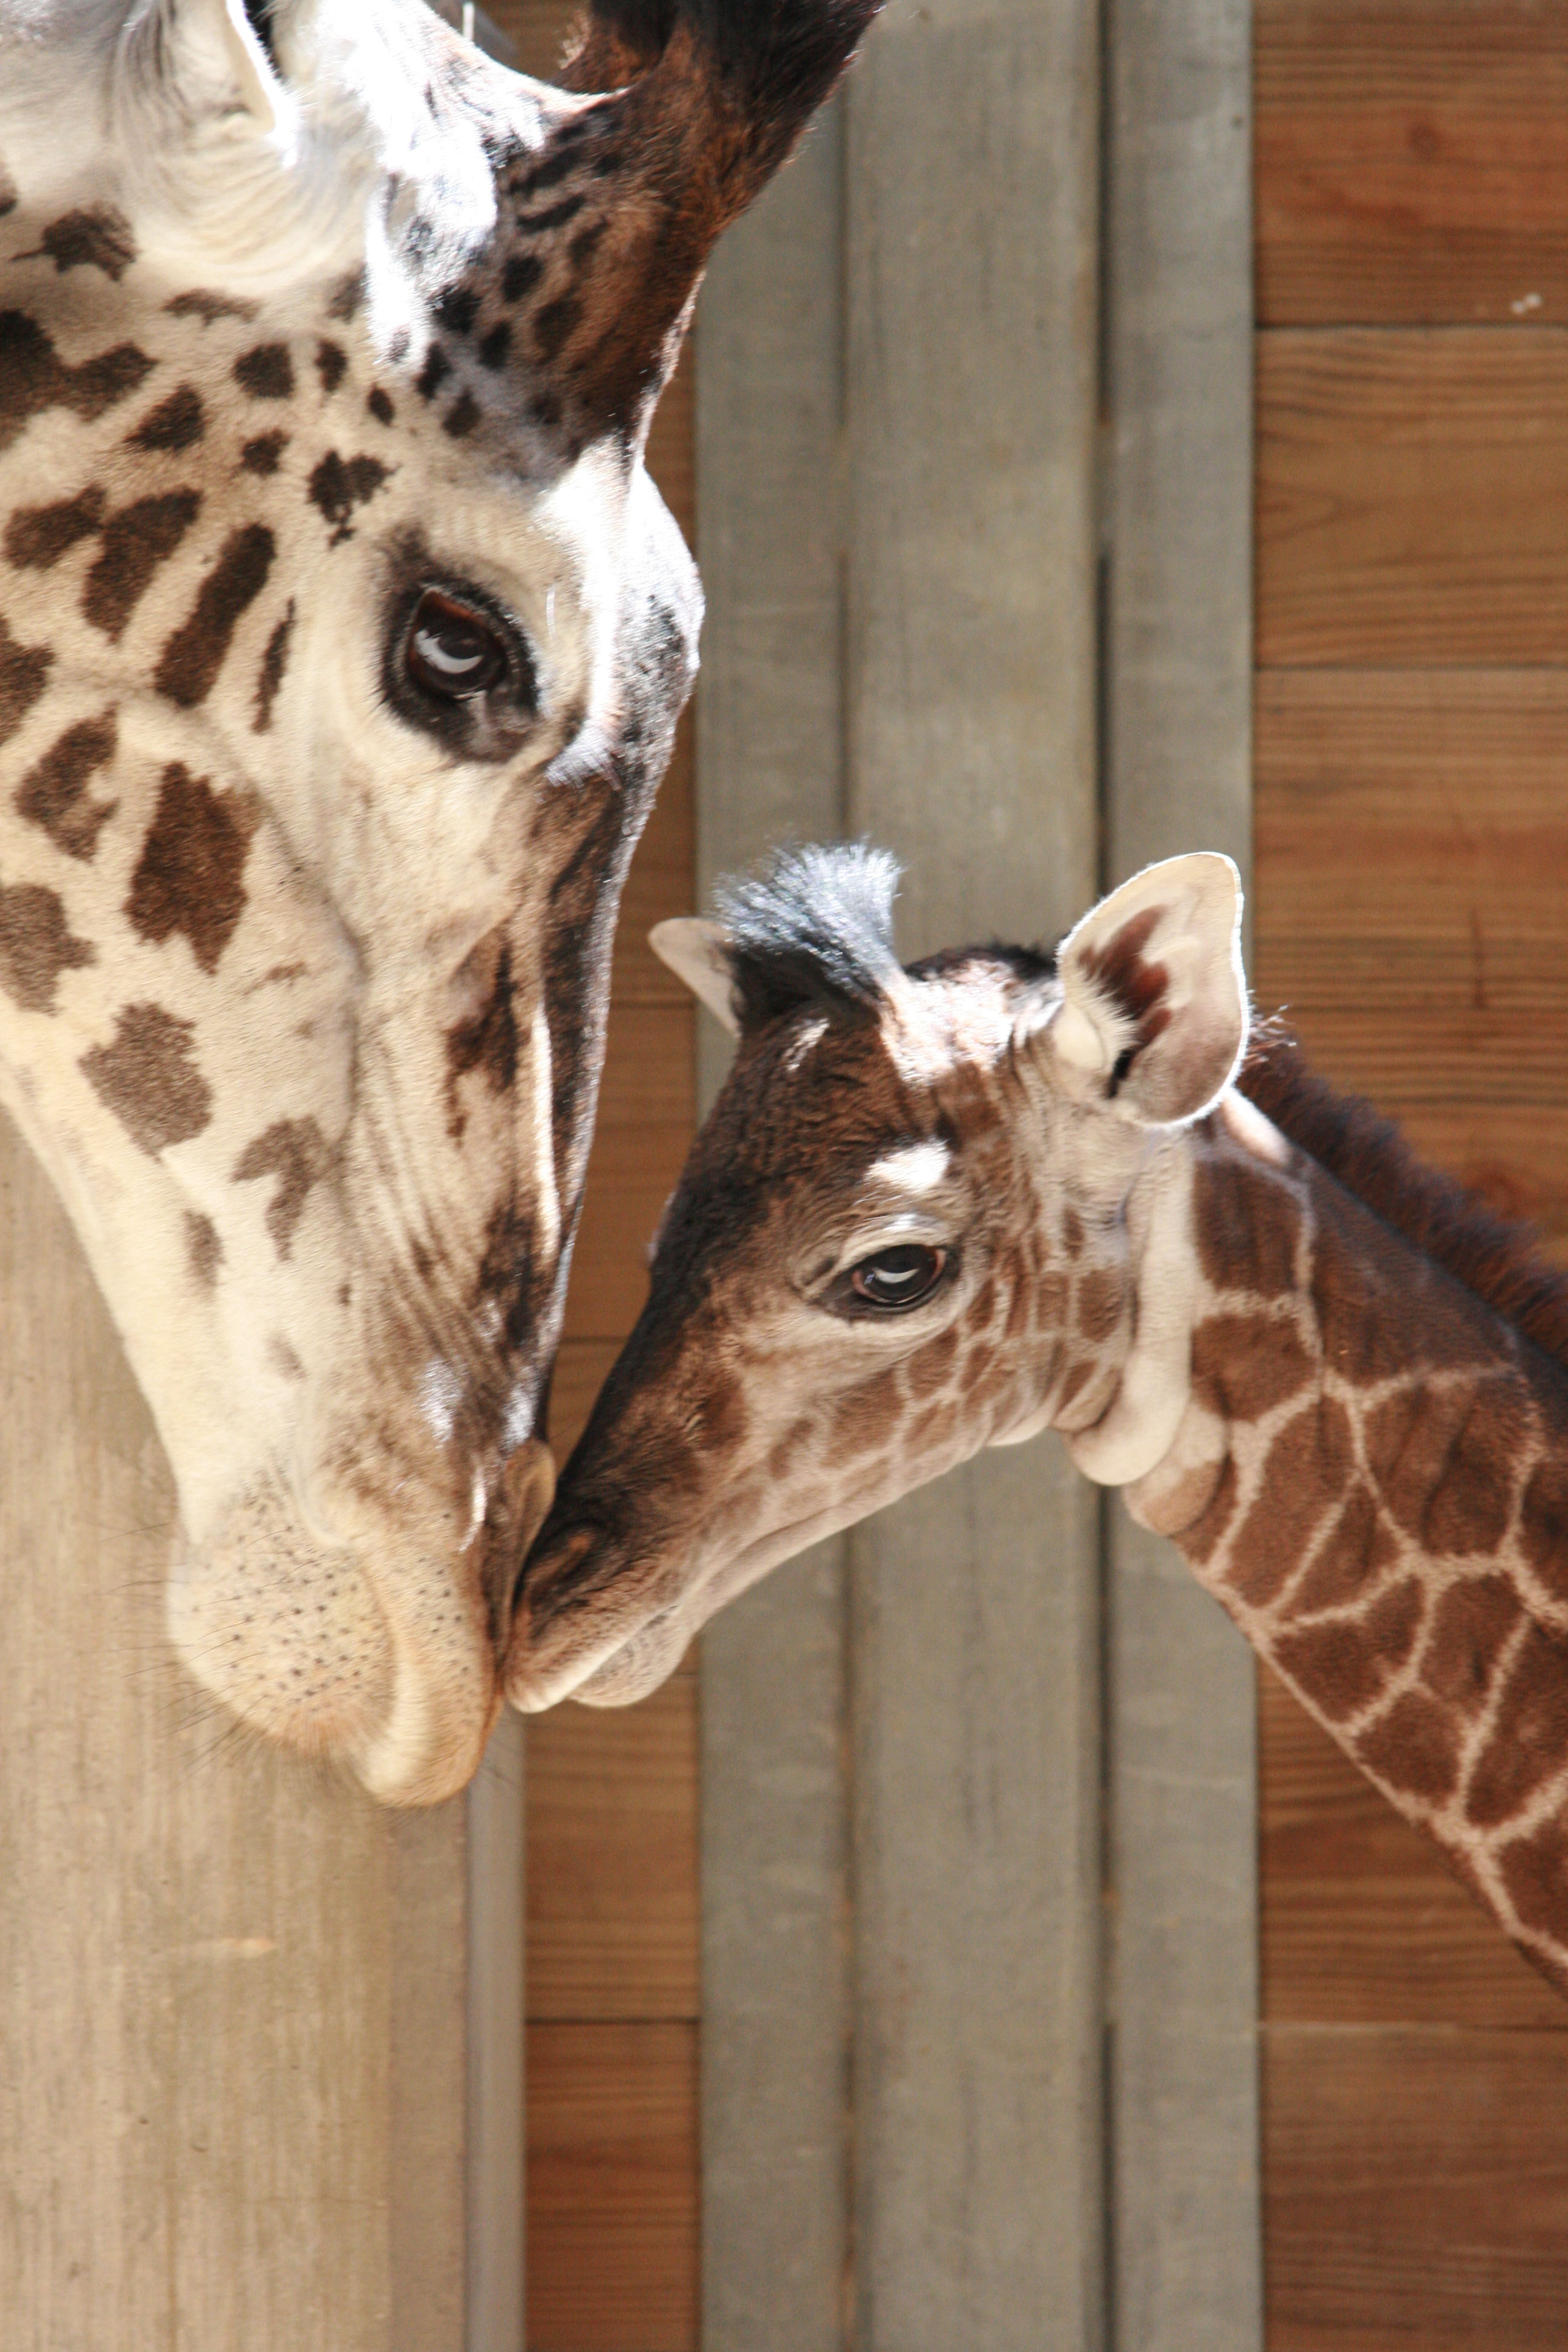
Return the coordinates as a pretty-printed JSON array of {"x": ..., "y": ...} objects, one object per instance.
[{"x": 1371, "y": 1476}]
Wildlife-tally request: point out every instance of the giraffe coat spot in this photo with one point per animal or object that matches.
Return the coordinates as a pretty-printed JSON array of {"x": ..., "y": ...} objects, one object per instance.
[
  {"x": 263, "y": 454},
  {"x": 136, "y": 540},
  {"x": 1243, "y": 1366},
  {"x": 37, "y": 537},
  {"x": 34, "y": 378},
  {"x": 1534, "y": 1872},
  {"x": 1360, "y": 1548},
  {"x": 274, "y": 661},
  {"x": 203, "y": 1249},
  {"x": 266, "y": 371},
  {"x": 37, "y": 946},
  {"x": 23, "y": 672},
  {"x": 1544, "y": 1522},
  {"x": 1470, "y": 1623},
  {"x": 200, "y": 302},
  {"x": 338, "y": 485},
  {"x": 331, "y": 365},
  {"x": 147, "y": 1079},
  {"x": 1442, "y": 1460},
  {"x": 1413, "y": 1749},
  {"x": 98, "y": 236},
  {"x": 54, "y": 793},
  {"x": 1530, "y": 1744},
  {"x": 189, "y": 875},
  {"x": 1303, "y": 1479},
  {"x": 195, "y": 654},
  {"x": 1247, "y": 1230},
  {"x": 1202, "y": 1537},
  {"x": 1099, "y": 1302},
  {"x": 175, "y": 423},
  {"x": 1340, "y": 1664},
  {"x": 296, "y": 1152},
  {"x": 486, "y": 1039}
]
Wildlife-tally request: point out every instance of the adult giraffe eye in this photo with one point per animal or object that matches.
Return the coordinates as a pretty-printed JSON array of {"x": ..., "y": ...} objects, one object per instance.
[
  {"x": 452, "y": 651},
  {"x": 899, "y": 1277}
]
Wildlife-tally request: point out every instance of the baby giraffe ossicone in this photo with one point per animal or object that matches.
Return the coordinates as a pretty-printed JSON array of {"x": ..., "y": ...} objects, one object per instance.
[{"x": 949, "y": 1206}]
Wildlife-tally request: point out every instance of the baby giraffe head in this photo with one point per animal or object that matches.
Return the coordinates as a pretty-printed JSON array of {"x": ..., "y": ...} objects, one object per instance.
[{"x": 912, "y": 1226}]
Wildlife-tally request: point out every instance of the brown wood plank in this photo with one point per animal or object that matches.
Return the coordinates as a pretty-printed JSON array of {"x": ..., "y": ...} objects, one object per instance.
[
  {"x": 1411, "y": 160},
  {"x": 611, "y": 2187},
  {"x": 1361, "y": 1923},
  {"x": 1411, "y": 497},
  {"x": 1416, "y": 2189},
  {"x": 1411, "y": 892},
  {"x": 612, "y": 1859},
  {"x": 646, "y": 1115}
]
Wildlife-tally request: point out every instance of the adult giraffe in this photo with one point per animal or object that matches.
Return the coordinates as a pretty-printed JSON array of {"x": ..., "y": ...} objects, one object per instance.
[
  {"x": 948, "y": 1207},
  {"x": 342, "y": 637}
]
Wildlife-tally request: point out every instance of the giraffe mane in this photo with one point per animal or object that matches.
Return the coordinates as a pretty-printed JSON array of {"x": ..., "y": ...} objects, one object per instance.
[{"x": 1497, "y": 1259}]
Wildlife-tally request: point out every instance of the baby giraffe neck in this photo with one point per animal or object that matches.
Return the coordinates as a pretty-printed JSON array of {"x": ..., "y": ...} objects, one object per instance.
[{"x": 1372, "y": 1476}]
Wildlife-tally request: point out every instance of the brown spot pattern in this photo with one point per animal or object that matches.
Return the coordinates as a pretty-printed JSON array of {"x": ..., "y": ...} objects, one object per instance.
[
  {"x": 203, "y": 1250},
  {"x": 1382, "y": 1312},
  {"x": 261, "y": 456},
  {"x": 199, "y": 302},
  {"x": 1529, "y": 1743},
  {"x": 296, "y": 1152},
  {"x": 1245, "y": 1365},
  {"x": 1441, "y": 1459},
  {"x": 136, "y": 540},
  {"x": 22, "y": 671},
  {"x": 1469, "y": 1626},
  {"x": 189, "y": 876},
  {"x": 486, "y": 1039},
  {"x": 175, "y": 423},
  {"x": 37, "y": 946},
  {"x": 96, "y": 238},
  {"x": 1535, "y": 1874},
  {"x": 1247, "y": 1230},
  {"x": 1302, "y": 1483},
  {"x": 331, "y": 365},
  {"x": 1413, "y": 1749},
  {"x": 32, "y": 377},
  {"x": 1360, "y": 1547},
  {"x": 338, "y": 485},
  {"x": 147, "y": 1079},
  {"x": 1340, "y": 1664},
  {"x": 266, "y": 372},
  {"x": 195, "y": 654},
  {"x": 54, "y": 794},
  {"x": 274, "y": 661},
  {"x": 1543, "y": 1523},
  {"x": 37, "y": 537},
  {"x": 1099, "y": 1302}
]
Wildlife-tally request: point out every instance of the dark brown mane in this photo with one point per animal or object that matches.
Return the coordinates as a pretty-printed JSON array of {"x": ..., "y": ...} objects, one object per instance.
[{"x": 1499, "y": 1260}]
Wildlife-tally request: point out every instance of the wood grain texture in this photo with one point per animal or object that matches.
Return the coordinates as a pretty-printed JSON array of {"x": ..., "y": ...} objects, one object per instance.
[
  {"x": 1412, "y": 907},
  {"x": 612, "y": 1859},
  {"x": 1412, "y": 487},
  {"x": 645, "y": 1125},
  {"x": 1416, "y": 2188},
  {"x": 1412, "y": 161},
  {"x": 208, "y": 1976},
  {"x": 1361, "y": 1923},
  {"x": 611, "y": 2187}
]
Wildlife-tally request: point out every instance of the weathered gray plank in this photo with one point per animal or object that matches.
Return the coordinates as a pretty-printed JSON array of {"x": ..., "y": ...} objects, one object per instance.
[
  {"x": 1180, "y": 1702},
  {"x": 971, "y": 201},
  {"x": 208, "y": 1968},
  {"x": 775, "y": 1803}
]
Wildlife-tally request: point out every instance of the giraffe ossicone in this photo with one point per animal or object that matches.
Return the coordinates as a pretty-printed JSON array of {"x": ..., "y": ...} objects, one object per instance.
[
  {"x": 952, "y": 1205},
  {"x": 342, "y": 637}
]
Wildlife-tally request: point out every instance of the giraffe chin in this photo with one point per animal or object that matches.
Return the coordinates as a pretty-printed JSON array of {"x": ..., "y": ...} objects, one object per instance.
[{"x": 386, "y": 1668}]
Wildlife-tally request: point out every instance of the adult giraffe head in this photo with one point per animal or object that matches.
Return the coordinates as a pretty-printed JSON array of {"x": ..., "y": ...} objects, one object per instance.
[{"x": 342, "y": 637}]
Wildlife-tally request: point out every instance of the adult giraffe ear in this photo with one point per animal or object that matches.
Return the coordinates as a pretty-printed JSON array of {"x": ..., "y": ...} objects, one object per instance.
[
  {"x": 1154, "y": 1014},
  {"x": 698, "y": 953},
  {"x": 185, "y": 63}
]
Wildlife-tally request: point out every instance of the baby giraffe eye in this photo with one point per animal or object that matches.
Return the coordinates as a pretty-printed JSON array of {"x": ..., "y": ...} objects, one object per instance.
[
  {"x": 899, "y": 1277},
  {"x": 452, "y": 651}
]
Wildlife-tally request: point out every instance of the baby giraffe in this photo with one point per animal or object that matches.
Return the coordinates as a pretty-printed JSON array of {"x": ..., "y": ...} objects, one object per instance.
[{"x": 948, "y": 1206}]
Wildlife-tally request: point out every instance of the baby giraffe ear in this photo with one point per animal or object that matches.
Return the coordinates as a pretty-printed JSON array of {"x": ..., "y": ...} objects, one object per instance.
[
  {"x": 1153, "y": 1013},
  {"x": 698, "y": 953}
]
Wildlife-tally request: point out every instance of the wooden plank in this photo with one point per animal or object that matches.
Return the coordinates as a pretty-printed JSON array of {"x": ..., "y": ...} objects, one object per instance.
[
  {"x": 644, "y": 1130},
  {"x": 611, "y": 2187},
  {"x": 1411, "y": 494},
  {"x": 1412, "y": 162},
  {"x": 1418, "y": 2188},
  {"x": 1361, "y": 1923},
  {"x": 612, "y": 1859},
  {"x": 211, "y": 1970},
  {"x": 1181, "y": 1761},
  {"x": 496, "y": 2098},
  {"x": 1412, "y": 877},
  {"x": 774, "y": 1810},
  {"x": 974, "y": 1680}
]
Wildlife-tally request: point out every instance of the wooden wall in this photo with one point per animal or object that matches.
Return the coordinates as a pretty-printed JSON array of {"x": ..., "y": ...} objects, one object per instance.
[{"x": 1411, "y": 815}]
